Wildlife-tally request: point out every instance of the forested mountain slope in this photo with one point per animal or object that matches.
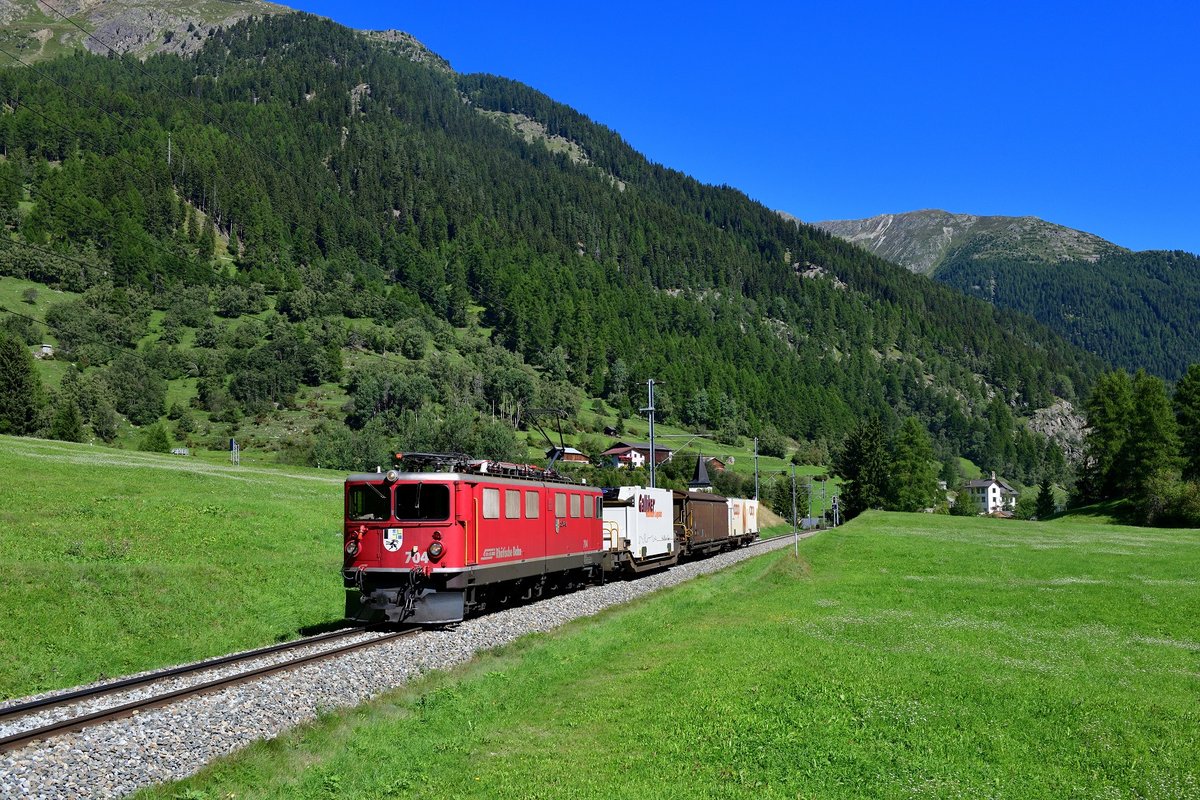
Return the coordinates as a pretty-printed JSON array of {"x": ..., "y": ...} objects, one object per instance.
[
  {"x": 1133, "y": 309},
  {"x": 349, "y": 182}
]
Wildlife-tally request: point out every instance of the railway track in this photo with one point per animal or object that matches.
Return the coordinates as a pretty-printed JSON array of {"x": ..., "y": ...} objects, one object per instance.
[
  {"x": 13, "y": 713},
  {"x": 42, "y": 730}
]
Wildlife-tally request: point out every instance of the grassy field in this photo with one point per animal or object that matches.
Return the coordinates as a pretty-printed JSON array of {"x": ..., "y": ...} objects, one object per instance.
[
  {"x": 114, "y": 561},
  {"x": 901, "y": 656}
]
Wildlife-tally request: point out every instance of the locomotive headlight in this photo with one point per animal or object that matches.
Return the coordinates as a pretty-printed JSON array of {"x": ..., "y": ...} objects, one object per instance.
[
  {"x": 352, "y": 548},
  {"x": 392, "y": 476},
  {"x": 435, "y": 550}
]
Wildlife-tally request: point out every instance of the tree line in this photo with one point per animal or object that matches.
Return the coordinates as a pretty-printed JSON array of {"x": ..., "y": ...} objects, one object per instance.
[
  {"x": 286, "y": 183},
  {"x": 1142, "y": 446}
]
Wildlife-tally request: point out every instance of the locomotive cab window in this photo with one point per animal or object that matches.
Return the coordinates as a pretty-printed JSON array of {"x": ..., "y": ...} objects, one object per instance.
[
  {"x": 367, "y": 502},
  {"x": 422, "y": 501}
]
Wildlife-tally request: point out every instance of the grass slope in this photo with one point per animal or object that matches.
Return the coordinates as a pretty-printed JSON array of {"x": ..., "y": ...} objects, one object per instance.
[
  {"x": 903, "y": 656},
  {"x": 113, "y": 561}
]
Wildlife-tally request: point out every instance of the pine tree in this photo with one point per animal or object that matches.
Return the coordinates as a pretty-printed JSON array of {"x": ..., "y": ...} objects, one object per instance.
[
  {"x": 1187, "y": 414},
  {"x": 155, "y": 440},
  {"x": 1045, "y": 500},
  {"x": 21, "y": 393},
  {"x": 68, "y": 423},
  {"x": 105, "y": 422},
  {"x": 1109, "y": 414},
  {"x": 914, "y": 471},
  {"x": 863, "y": 464},
  {"x": 1152, "y": 444}
]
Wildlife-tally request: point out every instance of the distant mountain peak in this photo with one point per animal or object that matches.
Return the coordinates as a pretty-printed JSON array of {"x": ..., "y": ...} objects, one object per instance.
[
  {"x": 922, "y": 240},
  {"x": 37, "y": 31}
]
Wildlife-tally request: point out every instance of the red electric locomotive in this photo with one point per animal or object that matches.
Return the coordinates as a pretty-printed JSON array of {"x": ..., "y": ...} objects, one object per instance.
[{"x": 451, "y": 535}]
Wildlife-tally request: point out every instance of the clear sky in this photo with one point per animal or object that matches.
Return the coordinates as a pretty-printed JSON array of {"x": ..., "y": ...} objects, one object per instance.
[{"x": 1085, "y": 114}]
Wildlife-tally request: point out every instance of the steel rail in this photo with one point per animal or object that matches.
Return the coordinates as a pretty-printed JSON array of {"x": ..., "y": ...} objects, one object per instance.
[
  {"x": 69, "y": 698},
  {"x": 22, "y": 738}
]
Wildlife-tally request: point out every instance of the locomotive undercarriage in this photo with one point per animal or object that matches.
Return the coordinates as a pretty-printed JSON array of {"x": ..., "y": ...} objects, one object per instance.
[{"x": 445, "y": 598}]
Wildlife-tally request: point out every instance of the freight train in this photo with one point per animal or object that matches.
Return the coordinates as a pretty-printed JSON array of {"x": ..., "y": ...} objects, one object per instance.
[{"x": 450, "y": 536}]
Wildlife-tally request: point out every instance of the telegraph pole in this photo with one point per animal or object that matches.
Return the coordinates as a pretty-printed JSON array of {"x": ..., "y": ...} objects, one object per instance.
[
  {"x": 795, "y": 530},
  {"x": 649, "y": 409},
  {"x": 755, "y": 467}
]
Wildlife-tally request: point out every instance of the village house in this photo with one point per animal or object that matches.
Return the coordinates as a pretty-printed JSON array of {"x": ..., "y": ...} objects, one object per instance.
[
  {"x": 990, "y": 496},
  {"x": 635, "y": 454},
  {"x": 568, "y": 454}
]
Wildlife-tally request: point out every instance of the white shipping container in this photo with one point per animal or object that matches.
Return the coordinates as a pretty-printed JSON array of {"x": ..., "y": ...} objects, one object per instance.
[
  {"x": 643, "y": 517},
  {"x": 743, "y": 516}
]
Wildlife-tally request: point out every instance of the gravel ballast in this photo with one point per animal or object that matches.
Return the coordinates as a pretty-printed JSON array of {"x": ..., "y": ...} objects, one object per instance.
[{"x": 169, "y": 743}]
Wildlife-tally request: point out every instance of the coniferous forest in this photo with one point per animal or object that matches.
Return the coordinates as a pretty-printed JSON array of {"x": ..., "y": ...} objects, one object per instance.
[
  {"x": 1134, "y": 310},
  {"x": 298, "y": 166}
]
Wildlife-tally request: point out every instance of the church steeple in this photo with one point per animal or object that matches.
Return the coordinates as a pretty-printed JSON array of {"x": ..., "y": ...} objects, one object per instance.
[{"x": 700, "y": 480}]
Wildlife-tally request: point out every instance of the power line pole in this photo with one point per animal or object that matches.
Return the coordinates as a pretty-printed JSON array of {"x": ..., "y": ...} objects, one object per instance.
[
  {"x": 795, "y": 530},
  {"x": 649, "y": 409},
  {"x": 756, "y": 468}
]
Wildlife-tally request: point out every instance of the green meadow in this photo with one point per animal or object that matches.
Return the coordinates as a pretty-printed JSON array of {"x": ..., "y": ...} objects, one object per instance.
[
  {"x": 114, "y": 561},
  {"x": 900, "y": 656}
]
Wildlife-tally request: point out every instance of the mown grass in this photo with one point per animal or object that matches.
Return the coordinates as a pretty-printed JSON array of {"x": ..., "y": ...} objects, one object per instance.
[
  {"x": 114, "y": 561},
  {"x": 901, "y": 656}
]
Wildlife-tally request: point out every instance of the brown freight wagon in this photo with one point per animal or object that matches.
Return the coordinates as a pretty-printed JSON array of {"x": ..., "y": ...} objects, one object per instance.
[{"x": 701, "y": 522}]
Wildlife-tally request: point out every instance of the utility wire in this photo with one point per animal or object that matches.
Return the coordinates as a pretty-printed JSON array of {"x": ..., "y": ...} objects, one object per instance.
[
  {"x": 72, "y": 131},
  {"x": 204, "y": 114},
  {"x": 18, "y": 242},
  {"x": 93, "y": 103},
  {"x": 151, "y": 240}
]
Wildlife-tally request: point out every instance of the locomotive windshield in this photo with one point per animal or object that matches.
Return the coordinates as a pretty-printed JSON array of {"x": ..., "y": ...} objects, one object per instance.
[
  {"x": 368, "y": 501},
  {"x": 422, "y": 501}
]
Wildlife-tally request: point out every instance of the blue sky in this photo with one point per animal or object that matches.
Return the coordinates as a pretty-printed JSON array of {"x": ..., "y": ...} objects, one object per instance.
[{"x": 1084, "y": 114}]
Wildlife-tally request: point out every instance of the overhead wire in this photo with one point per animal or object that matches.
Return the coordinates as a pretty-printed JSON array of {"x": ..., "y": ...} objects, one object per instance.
[{"x": 150, "y": 240}]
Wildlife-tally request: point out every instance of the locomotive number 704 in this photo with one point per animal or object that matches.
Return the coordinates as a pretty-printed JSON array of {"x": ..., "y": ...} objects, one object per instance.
[{"x": 416, "y": 558}]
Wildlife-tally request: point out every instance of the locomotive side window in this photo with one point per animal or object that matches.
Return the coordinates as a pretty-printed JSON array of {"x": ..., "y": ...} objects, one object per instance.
[
  {"x": 491, "y": 504},
  {"x": 574, "y": 505},
  {"x": 368, "y": 501},
  {"x": 420, "y": 501},
  {"x": 599, "y": 509},
  {"x": 531, "y": 505},
  {"x": 589, "y": 505},
  {"x": 512, "y": 503},
  {"x": 560, "y": 504}
]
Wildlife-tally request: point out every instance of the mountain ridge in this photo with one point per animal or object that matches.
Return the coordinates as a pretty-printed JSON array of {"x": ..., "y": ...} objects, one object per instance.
[
  {"x": 923, "y": 240},
  {"x": 1135, "y": 309}
]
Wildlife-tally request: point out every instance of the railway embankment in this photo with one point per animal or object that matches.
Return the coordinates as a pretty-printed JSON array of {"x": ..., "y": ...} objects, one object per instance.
[{"x": 114, "y": 758}]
